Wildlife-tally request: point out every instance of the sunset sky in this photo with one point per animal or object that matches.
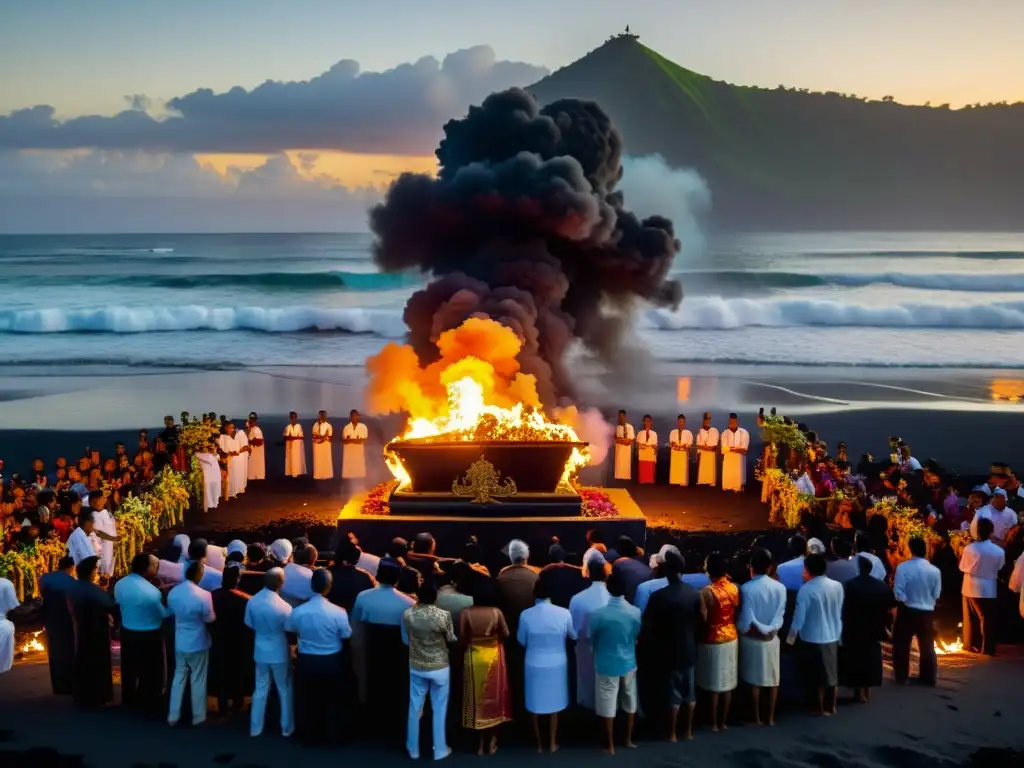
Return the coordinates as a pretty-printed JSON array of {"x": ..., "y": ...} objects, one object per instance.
[{"x": 328, "y": 134}]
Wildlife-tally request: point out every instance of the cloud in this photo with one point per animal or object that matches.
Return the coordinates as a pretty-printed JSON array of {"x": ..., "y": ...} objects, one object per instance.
[
  {"x": 135, "y": 191},
  {"x": 399, "y": 111}
]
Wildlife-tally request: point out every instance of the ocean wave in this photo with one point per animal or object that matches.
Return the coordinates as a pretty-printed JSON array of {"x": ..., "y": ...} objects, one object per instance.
[
  {"x": 717, "y": 313},
  {"x": 199, "y": 318},
  {"x": 909, "y": 254},
  {"x": 281, "y": 281},
  {"x": 950, "y": 281}
]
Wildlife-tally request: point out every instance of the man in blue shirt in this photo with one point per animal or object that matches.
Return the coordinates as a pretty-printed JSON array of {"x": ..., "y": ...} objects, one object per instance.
[
  {"x": 142, "y": 640},
  {"x": 614, "y": 629}
]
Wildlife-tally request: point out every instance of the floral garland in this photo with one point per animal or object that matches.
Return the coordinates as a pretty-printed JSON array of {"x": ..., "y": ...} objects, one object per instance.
[
  {"x": 775, "y": 430},
  {"x": 24, "y": 565},
  {"x": 958, "y": 541},
  {"x": 785, "y": 501},
  {"x": 195, "y": 483},
  {"x": 196, "y": 435},
  {"x": 136, "y": 526},
  {"x": 904, "y": 524},
  {"x": 169, "y": 498}
]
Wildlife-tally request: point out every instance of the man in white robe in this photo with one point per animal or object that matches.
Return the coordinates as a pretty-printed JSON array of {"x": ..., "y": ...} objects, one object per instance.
[
  {"x": 323, "y": 433},
  {"x": 227, "y": 446},
  {"x": 353, "y": 455},
  {"x": 707, "y": 453},
  {"x": 735, "y": 442},
  {"x": 680, "y": 440},
  {"x": 105, "y": 530},
  {"x": 257, "y": 453},
  {"x": 294, "y": 448},
  {"x": 646, "y": 452},
  {"x": 210, "y": 465},
  {"x": 624, "y": 438},
  {"x": 243, "y": 457},
  {"x": 8, "y": 602}
]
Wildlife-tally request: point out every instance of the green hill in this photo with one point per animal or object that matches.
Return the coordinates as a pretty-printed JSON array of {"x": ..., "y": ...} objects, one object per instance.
[{"x": 786, "y": 158}]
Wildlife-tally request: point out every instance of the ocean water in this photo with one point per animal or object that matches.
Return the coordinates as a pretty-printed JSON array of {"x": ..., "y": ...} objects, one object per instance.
[{"x": 224, "y": 301}]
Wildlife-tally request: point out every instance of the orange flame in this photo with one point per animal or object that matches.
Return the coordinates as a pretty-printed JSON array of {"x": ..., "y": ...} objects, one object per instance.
[
  {"x": 33, "y": 645},
  {"x": 473, "y": 392}
]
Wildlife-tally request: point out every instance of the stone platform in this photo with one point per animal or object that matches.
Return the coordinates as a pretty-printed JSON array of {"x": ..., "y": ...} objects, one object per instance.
[{"x": 452, "y": 527}]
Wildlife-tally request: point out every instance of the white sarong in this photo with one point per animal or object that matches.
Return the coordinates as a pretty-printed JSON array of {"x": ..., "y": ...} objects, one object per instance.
[
  {"x": 707, "y": 461},
  {"x": 717, "y": 669},
  {"x": 734, "y": 465},
  {"x": 211, "y": 479},
  {"x": 624, "y": 453},
  {"x": 242, "y": 459},
  {"x": 257, "y": 456},
  {"x": 323, "y": 466},
  {"x": 759, "y": 662},
  {"x": 294, "y": 451},
  {"x": 353, "y": 455}
]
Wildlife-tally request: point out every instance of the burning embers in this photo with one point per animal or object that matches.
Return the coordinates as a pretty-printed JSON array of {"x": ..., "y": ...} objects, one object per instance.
[{"x": 474, "y": 393}]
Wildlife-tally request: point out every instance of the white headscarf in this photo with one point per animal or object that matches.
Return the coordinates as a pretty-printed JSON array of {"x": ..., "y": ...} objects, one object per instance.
[
  {"x": 8, "y": 597},
  {"x": 281, "y": 550},
  {"x": 183, "y": 541},
  {"x": 517, "y": 550},
  {"x": 815, "y": 547},
  {"x": 659, "y": 558}
]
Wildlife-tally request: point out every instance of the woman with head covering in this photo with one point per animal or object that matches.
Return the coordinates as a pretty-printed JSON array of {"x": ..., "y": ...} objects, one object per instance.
[{"x": 8, "y": 602}]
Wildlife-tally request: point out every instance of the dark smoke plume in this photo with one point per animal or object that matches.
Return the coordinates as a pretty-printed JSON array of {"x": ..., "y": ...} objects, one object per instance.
[{"x": 523, "y": 225}]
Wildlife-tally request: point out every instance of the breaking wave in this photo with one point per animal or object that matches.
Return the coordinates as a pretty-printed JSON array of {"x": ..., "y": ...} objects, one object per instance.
[
  {"x": 283, "y": 281},
  {"x": 197, "y": 318},
  {"x": 952, "y": 281},
  {"x": 717, "y": 313}
]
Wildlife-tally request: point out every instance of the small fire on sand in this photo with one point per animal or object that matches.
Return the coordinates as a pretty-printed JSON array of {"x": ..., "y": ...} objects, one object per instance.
[
  {"x": 942, "y": 648},
  {"x": 474, "y": 392},
  {"x": 33, "y": 645}
]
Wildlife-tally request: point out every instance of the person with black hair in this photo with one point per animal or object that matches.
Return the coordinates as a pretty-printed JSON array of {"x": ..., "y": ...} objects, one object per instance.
[
  {"x": 707, "y": 452},
  {"x": 646, "y": 452},
  {"x": 349, "y": 580},
  {"x": 562, "y": 580},
  {"x": 668, "y": 642},
  {"x": 718, "y": 651},
  {"x": 842, "y": 567},
  {"x": 92, "y": 607},
  {"x": 735, "y": 444},
  {"x": 294, "y": 447},
  {"x": 867, "y": 606},
  {"x": 55, "y": 588},
  {"x": 142, "y": 639},
  {"x": 862, "y": 546},
  {"x": 487, "y": 701},
  {"x": 981, "y": 562},
  {"x": 635, "y": 570},
  {"x": 192, "y": 608},
  {"x": 624, "y": 438},
  {"x": 428, "y": 630},
  {"x": 232, "y": 673},
  {"x": 818, "y": 621},
  {"x": 83, "y": 542},
  {"x": 762, "y": 611},
  {"x": 298, "y": 575},
  {"x": 322, "y": 628},
  {"x": 543, "y": 631},
  {"x": 917, "y": 587}
]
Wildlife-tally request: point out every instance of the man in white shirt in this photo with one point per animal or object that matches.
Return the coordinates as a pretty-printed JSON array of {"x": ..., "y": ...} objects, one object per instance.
[
  {"x": 580, "y": 607},
  {"x": 862, "y": 543},
  {"x": 192, "y": 608},
  {"x": 266, "y": 614},
  {"x": 242, "y": 459},
  {"x": 228, "y": 448},
  {"x": 624, "y": 437},
  {"x": 105, "y": 530},
  {"x": 321, "y": 627},
  {"x": 297, "y": 576},
  {"x": 762, "y": 610},
  {"x": 1003, "y": 518},
  {"x": 707, "y": 453},
  {"x": 83, "y": 542},
  {"x": 142, "y": 639},
  {"x": 257, "y": 463},
  {"x": 323, "y": 433},
  {"x": 353, "y": 452},
  {"x": 818, "y": 621},
  {"x": 735, "y": 443},
  {"x": 212, "y": 483},
  {"x": 981, "y": 562},
  {"x": 917, "y": 586}
]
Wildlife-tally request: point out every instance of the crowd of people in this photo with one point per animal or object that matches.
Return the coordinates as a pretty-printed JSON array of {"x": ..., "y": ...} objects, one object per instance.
[{"x": 621, "y": 634}]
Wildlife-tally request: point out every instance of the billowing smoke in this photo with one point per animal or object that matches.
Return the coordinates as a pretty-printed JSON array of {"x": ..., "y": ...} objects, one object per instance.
[{"x": 524, "y": 225}]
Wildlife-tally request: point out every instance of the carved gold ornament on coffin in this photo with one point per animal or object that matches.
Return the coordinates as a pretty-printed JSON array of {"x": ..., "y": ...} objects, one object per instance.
[{"x": 483, "y": 482}]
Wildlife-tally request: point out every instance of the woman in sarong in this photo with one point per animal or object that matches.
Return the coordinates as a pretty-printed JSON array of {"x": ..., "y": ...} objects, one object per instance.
[{"x": 486, "y": 701}]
